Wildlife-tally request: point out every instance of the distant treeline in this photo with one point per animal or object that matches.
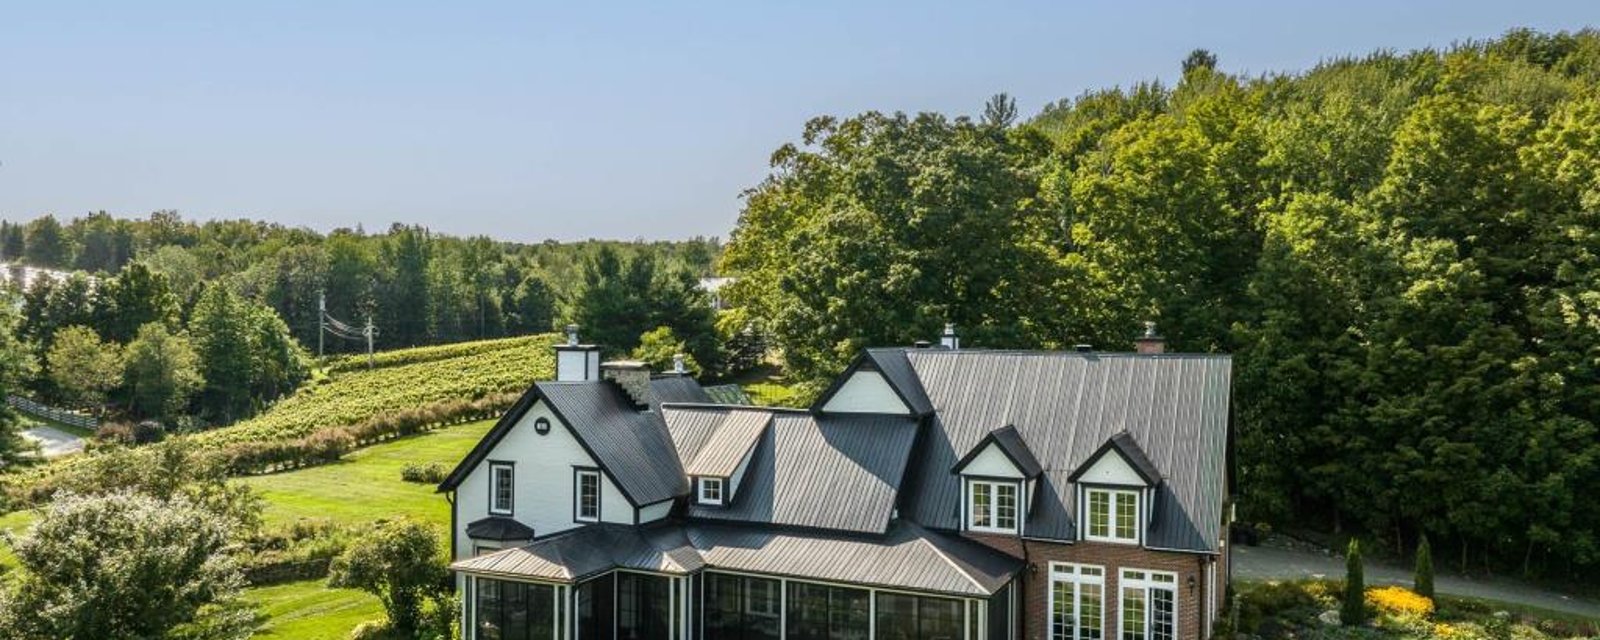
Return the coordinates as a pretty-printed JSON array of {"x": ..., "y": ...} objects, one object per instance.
[
  {"x": 419, "y": 287},
  {"x": 1402, "y": 252}
]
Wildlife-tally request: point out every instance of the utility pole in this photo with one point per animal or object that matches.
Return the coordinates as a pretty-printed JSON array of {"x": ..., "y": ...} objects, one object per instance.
[
  {"x": 322, "y": 319},
  {"x": 368, "y": 333}
]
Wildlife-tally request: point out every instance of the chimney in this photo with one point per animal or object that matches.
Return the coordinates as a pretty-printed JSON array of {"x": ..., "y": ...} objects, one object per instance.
[
  {"x": 1151, "y": 342},
  {"x": 633, "y": 376},
  {"x": 677, "y": 364},
  {"x": 577, "y": 362},
  {"x": 950, "y": 340}
]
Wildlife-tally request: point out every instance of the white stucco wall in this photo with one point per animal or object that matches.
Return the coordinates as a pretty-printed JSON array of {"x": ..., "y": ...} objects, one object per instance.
[
  {"x": 866, "y": 392},
  {"x": 1112, "y": 469},
  {"x": 654, "y": 512},
  {"x": 992, "y": 462},
  {"x": 543, "y": 481}
]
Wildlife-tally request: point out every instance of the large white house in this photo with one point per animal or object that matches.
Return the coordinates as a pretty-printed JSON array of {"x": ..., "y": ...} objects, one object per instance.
[{"x": 932, "y": 493}]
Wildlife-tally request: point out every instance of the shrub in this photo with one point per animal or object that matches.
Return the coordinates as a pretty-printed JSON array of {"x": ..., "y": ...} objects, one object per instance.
[
  {"x": 1423, "y": 577},
  {"x": 148, "y": 432},
  {"x": 431, "y": 473},
  {"x": 301, "y": 551},
  {"x": 1400, "y": 602},
  {"x": 1354, "y": 610},
  {"x": 400, "y": 563},
  {"x": 115, "y": 433},
  {"x": 373, "y": 630}
]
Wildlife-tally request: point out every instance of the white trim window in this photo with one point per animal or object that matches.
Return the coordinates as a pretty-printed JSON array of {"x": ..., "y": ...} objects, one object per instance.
[
  {"x": 587, "y": 496},
  {"x": 1113, "y": 515},
  {"x": 501, "y": 495},
  {"x": 1148, "y": 608},
  {"x": 1077, "y": 601},
  {"x": 992, "y": 506},
  {"x": 711, "y": 491}
]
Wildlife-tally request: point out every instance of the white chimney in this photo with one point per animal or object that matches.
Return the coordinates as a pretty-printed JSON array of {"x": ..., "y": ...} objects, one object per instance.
[
  {"x": 950, "y": 340},
  {"x": 677, "y": 364},
  {"x": 577, "y": 362}
]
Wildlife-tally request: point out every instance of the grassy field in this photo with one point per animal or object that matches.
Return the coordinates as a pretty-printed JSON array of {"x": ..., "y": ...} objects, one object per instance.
[{"x": 311, "y": 611}]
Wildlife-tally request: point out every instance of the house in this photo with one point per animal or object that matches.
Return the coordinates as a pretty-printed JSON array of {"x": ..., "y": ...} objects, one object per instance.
[{"x": 931, "y": 493}]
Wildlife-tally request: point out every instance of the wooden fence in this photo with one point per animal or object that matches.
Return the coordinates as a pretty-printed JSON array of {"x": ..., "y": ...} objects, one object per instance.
[{"x": 63, "y": 416}]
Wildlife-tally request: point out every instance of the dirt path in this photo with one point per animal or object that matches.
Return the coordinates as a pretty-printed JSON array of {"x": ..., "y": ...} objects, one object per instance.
[
  {"x": 52, "y": 441},
  {"x": 1276, "y": 563}
]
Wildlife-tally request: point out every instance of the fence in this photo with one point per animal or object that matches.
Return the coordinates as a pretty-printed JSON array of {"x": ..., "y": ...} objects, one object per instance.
[{"x": 47, "y": 412}]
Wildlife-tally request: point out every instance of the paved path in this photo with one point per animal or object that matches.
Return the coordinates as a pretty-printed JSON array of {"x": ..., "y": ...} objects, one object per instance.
[
  {"x": 1276, "y": 563},
  {"x": 52, "y": 441}
]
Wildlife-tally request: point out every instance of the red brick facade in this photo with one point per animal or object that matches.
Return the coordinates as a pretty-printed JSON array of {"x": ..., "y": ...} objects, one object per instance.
[{"x": 1034, "y": 581}]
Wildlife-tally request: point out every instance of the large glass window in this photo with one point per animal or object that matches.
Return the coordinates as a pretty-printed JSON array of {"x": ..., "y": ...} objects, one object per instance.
[
  {"x": 1148, "y": 605},
  {"x": 644, "y": 607},
  {"x": 1077, "y": 597},
  {"x": 821, "y": 612},
  {"x": 588, "y": 499},
  {"x": 505, "y": 610},
  {"x": 500, "y": 477},
  {"x": 906, "y": 617},
  {"x": 595, "y": 604},
  {"x": 740, "y": 608},
  {"x": 1113, "y": 515},
  {"x": 992, "y": 506}
]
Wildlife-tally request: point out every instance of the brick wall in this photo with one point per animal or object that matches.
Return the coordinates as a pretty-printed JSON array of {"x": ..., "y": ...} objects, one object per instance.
[{"x": 1035, "y": 579}]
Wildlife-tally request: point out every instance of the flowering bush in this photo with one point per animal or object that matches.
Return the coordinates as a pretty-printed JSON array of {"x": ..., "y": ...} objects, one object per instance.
[{"x": 1399, "y": 602}]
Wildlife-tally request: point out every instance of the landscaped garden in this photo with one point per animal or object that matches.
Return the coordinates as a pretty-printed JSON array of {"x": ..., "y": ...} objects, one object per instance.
[{"x": 1311, "y": 609}]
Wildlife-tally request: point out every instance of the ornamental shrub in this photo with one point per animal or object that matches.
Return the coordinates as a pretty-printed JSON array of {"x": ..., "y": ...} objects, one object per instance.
[
  {"x": 1423, "y": 578},
  {"x": 1354, "y": 610},
  {"x": 1399, "y": 602}
]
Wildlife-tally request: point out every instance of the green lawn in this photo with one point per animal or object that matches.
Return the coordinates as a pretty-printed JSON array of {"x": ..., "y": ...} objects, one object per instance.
[{"x": 311, "y": 611}]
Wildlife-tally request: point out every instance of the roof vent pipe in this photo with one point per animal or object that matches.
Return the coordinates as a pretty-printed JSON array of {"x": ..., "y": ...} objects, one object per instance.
[
  {"x": 677, "y": 364},
  {"x": 950, "y": 340}
]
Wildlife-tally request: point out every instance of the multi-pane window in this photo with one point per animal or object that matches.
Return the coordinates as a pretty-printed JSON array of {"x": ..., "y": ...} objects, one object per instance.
[
  {"x": 920, "y": 617},
  {"x": 1148, "y": 605},
  {"x": 587, "y": 508},
  {"x": 505, "y": 610},
  {"x": 992, "y": 506},
  {"x": 742, "y": 608},
  {"x": 1077, "y": 602},
  {"x": 500, "y": 493},
  {"x": 822, "y": 612},
  {"x": 1113, "y": 515},
  {"x": 711, "y": 491}
]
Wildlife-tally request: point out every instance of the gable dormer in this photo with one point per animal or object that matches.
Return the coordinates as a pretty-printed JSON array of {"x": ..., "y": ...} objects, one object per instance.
[
  {"x": 999, "y": 475},
  {"x": 1115, "y": 492},
  {"x": 864, "y": 389},
  {"x": 718, "y": 468}
]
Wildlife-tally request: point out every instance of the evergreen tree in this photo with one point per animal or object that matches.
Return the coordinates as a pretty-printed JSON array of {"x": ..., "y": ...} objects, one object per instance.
[
  {"x": 221, "y": 330},
  {"x": 161, "y": 372},
  {"x": 1353, "y": 610},
  {"x": 46, "y": 244},
  {"x": 1422, "y": 581},
  {"x": 135, "y": 297},
  {"x": 16, "y": 366}
]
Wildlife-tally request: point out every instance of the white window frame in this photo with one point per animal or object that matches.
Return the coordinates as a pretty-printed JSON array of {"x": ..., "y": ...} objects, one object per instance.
[
  {"x": 577, "y": 495},
  {"x": 993, "y": 513},
  {"x": 1115, "y": 497},
  {"x": 1146, "y": 581},
  {"x": 710, "y": 497},
  {"x": 1079, "y": 576},
  {"x": 494, "y": 488}
]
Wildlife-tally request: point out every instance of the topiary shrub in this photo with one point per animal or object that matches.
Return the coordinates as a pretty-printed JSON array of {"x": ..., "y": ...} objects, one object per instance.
[
  {"x": 1354, "y": 610},
  {"x": 1423, "y": 577}
]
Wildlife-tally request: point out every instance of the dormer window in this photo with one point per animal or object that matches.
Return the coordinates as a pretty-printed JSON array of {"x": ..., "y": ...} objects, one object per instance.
[
  {"x": 1113, "y": 516},
  {"x": 992, "y": 506},
  {"x": 711, "y": 491}
]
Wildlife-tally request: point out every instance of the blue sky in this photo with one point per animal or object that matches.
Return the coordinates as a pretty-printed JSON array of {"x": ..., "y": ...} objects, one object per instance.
[{"x": 529, "y": 121}]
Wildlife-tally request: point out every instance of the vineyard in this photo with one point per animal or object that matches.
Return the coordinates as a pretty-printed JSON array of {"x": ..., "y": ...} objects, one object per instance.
[{"x": 404, "y": 379}]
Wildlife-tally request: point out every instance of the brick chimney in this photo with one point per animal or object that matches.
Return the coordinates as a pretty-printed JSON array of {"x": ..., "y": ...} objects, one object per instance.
[
  {"x": 1151, "y": 342},
  {"x": 632, "y": 375}
]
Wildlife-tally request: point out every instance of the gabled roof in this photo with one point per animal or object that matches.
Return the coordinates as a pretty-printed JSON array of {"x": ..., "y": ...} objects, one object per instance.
[
  {"x": 893, "y": 366},
  {"x": 1124, "y": 444},
  {"x": 907, "y": 557},
  {"x": 627, "y": 442},
  {"x": 1011, "y": 444},
  {"x": 840, "y": 472},
  {"x": 1066, "y": 405},
  {"x": 729, "y": 444},
  {"x": 498, "y": 528}
]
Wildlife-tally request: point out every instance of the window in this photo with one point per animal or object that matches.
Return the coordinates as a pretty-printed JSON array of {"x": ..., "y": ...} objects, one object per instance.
[
  {"x": 587, "y": 507},
  {"x": 740, "y": 608},
  {"x": 644, "y": 606},
  {"x": 821, "y": 612},
  {"x": 1149, "y": 605},
  {"x": 500, "y": 488},
  {"x": 503, "y": 609},
  {"x": 1077, "y": 602},
  {"x": 1113, "y": 516},
  {"x": 921, "y": 618},
  {"x": 711, "y": 491},
  {"x": 992, "y": 506},
  {"x": 596, "y": 609}
]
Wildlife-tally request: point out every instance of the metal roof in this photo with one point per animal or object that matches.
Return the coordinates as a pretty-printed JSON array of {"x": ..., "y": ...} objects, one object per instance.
[
  {"x": 728, "y": 394},
  {"x": 907, "y": 557},
  {"x": 729, "y": 444},
  {"x": 840, "y": 472},
  {"x": 628, "y": 443},
  {"x": 897, "y": 369},
  {"x": 1065, "y": 405},
  {"x": 1011, "y": 444},
  {"x": 675, "y": 388},
  {"x": 498, "y": 528},
  {"x": 1125, "y": 445}
]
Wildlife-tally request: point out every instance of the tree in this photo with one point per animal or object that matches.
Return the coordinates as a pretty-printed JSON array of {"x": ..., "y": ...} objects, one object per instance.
[
  {"x": 660, "y": 347},
  {"x": 13, "y": 242},
  {"x": 532, "y": 306},
  {"x": 124, "y": 565},
  {"x": 161, "y": 372},
  {"x": 405, "y": 298},
  {"x": 280, "y": 362},
  {"x": 1422, "y": 578},
  {"x": 398, "y": 561},
  {"x": 46, "y": 244},
  {"x": 84, "y": 368},
  {"x": 1353, "y": 610},
  {"x": 16, "y": 365},
  {"x": 221, "y": 328},
  {"x": 1199, "y": 59},
  {"x": 1000, "y": 111},
  {"x": 135, "y": 297}
]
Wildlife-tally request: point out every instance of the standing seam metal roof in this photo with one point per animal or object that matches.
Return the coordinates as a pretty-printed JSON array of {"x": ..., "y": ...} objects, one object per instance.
[
  {"x": 729, "y": 444},
  {"x": 628, "y": 442}
]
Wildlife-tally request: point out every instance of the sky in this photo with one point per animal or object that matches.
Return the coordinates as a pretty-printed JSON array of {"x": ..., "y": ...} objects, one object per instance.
[{"x": 530, "y": 121}]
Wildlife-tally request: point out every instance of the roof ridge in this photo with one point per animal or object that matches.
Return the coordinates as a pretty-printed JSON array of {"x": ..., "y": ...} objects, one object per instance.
[{"x": 926, "y": 539}]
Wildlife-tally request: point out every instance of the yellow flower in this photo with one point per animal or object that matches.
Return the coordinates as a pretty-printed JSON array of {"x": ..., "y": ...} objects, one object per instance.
[{"x": 1399, "y": 601}]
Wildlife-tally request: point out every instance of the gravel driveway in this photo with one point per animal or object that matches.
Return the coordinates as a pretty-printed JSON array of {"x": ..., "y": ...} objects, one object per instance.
[
  {"x": 1277, "y": 563},
  {"x": 52, "y": 441}
]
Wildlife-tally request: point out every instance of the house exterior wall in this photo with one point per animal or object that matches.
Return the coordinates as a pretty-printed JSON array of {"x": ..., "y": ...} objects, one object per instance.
[
  {"x": 866, "y": 392},
  {"x": 543, "y": 481},
  {"x": 1111, "y": 468},
  {"x": 654, "y": 512},
  {"x": 993, "y": 463},
  {"x": 1035, "y": 580}
]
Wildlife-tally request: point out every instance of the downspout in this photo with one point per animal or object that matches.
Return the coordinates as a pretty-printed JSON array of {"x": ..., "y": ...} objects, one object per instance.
[{"x": 450, "y": 497}]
